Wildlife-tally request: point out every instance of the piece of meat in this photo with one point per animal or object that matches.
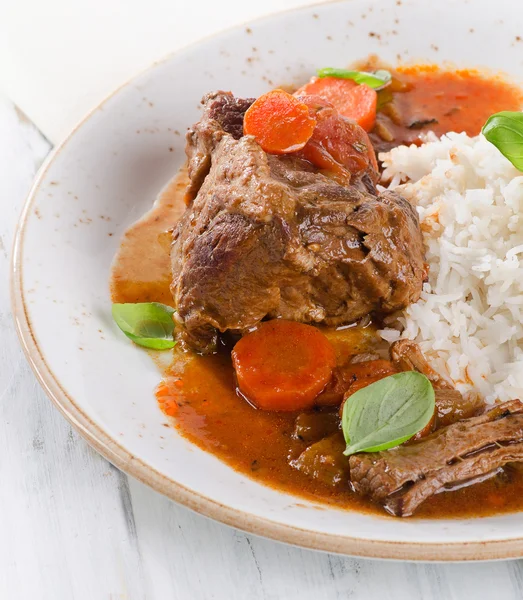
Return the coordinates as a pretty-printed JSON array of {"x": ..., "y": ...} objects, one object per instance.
[
  {"x": 224, "y": 113},
  {"x": 403, "y": 477},
  {"x": 407, "y": 356},
  {"x": 271, "y": 236},
  {"x": 324, "y": 461},
  {"x": 351, "y": 377},
  {"x": 451, "y": 404},
  {"x": 333, "y": 393}
]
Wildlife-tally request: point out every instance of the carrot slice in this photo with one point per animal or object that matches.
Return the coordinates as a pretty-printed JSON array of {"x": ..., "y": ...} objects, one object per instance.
[
  {"x": 357, "y": 102},
  {"x": 427, "y": 430},
  {"x": 283, "y": 365},
  {"x": 361, "y": 106},
  {"x": 330, "y": 88},
  {"x": 362, "y": 374},
  {"x": 280, "y": 123}
]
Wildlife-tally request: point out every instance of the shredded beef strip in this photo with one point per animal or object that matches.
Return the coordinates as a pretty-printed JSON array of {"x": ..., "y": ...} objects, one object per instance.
[{"x": 404, "y": 477}]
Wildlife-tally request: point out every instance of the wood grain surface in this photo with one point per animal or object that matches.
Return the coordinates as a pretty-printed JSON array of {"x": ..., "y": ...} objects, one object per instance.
[{"x": 72, "y": 527}]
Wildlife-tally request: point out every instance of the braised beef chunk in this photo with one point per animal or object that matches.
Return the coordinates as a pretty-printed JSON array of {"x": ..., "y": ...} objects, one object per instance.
[
  {"x": 223, "y": 113},
  {"x": 270, "y": 236},
  {"x": 228, "y": 111},
  {"x": 470, "y": 450}
]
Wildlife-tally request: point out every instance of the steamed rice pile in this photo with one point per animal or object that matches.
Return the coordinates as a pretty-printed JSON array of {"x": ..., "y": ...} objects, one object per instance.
[{"x": 469, "y": 319}]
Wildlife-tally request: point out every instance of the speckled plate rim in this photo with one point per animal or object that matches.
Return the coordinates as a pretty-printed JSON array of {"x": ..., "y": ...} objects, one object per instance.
[{"x": 131, "y": 465}]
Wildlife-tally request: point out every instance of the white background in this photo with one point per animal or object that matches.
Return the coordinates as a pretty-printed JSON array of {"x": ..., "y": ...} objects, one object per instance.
[
  {"x": 71, "y": 525},
  {"x": 60, "y": 58}
]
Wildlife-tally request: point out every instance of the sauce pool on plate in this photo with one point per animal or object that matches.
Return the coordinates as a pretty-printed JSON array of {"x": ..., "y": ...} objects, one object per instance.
[{"x": 427, "y": 98}]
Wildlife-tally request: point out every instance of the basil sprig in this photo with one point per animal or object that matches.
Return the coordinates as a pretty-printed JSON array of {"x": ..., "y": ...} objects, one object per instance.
[
  {"x": 377, "y": 80},
  {"x": 505, "y": 130},
  {"x": 387, "y": 412},
  {"x": 148, "y": 324}
]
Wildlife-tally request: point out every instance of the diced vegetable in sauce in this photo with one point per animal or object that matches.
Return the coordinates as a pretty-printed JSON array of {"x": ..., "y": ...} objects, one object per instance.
[
  {"x": 313, "y": 426},
  {"x": 324, "y": 461}
]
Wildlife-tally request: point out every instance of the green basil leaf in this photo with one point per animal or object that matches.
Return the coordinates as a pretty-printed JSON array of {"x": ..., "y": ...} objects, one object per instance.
[
  {"x": 387, "y": 412},
  {"x": 148, "y": 324},
  {"x": 505, "y": 131},
  {"x": 377, "y": 80}
]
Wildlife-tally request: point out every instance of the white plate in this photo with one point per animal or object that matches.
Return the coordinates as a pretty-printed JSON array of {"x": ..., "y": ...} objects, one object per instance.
[{"x": 104, "y": 176}]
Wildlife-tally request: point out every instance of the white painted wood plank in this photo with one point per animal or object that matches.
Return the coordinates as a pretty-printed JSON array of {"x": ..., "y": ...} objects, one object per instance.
[
  {"x": 188, "y": 556},
  {"x": 56, "y": 87},
  {"x": 64, "y": 527},
  {"x": 73, "y": 527}
]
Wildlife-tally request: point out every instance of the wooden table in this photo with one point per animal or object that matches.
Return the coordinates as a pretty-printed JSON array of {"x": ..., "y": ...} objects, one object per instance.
[{"x": 73, "y": 527}]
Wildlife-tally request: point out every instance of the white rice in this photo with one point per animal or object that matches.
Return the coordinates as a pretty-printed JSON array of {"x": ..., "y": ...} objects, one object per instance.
[{"x": 469, "y": 319}]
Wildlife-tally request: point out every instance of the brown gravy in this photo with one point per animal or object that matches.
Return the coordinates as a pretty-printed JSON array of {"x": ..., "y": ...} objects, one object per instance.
[
  {"x": 142, "y": 267},
  {"x": 206, "y": 408}
]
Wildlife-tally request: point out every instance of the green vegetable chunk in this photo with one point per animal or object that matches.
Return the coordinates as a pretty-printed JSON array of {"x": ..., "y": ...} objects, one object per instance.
[
  {"x": 505, "y": 130},
  {"x": 377, "y": 80},
  {"x": 387, "y": 412},
  {"x": 148, "y": 324}
]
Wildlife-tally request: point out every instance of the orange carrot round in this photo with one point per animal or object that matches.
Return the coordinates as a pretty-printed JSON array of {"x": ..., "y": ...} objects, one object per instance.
[
  {"x": 362, "y": 374},
  {"x": 357, "y": 102},
  {"x": 280, "y": 123},
  {"x": 283, "y": 365}
]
